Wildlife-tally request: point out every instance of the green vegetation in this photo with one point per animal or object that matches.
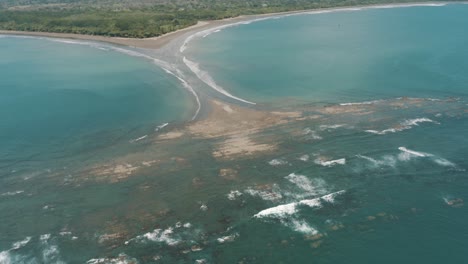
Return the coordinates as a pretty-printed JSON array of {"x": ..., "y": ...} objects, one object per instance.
[{"x": 141, "y": 18}]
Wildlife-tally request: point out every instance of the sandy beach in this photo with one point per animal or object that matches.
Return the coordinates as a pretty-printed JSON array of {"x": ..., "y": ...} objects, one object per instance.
[
  {"x": 233, "y": 124},
  {"x": 161, "y": 41}
]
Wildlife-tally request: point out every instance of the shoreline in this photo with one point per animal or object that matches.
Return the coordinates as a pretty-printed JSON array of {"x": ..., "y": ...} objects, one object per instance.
[{"x": 163, "y": 40}]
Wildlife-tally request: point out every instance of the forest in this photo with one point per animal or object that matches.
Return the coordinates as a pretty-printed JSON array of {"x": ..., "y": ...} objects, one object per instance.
[{"x": 142, "y": 18}]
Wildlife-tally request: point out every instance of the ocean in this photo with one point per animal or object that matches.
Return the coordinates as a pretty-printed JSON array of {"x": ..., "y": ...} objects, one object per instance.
[{"x": 99, "y": 167}]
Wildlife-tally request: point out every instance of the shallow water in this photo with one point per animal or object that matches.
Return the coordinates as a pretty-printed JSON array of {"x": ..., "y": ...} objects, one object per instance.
[
  {"x": 381, "y": 181},
  {"x": 345, "y": 56},
  {"x": 60, "y": 100}
]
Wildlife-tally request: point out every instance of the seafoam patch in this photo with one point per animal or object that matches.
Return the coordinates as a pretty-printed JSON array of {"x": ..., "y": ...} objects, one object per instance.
[
  {"x": 304, "y": 158},
  {"x": 226, "y": 239},
  {"x": 311, "y": 134},
  {"x": 233, "y": 195},
  {"x": 331, "y": 127},
  {"x": 404, "y": 125},
  {"x": 158, "y": 128},
  {"x": 203, "y": 207},
  {"x": 12, "y": 193},
  {"x": 20, "y": 244},
  {"x": 387, "y": 160},
  {"x": 444, "y": 162},
  {"x": 268, "y": 195},
  {"x": 301, "y": 226},
  {"x": 121, "y": 259},
  {"x": 310, "y": 186},
  {"x": 161, "y": 235},
  {"x": 408, "y": 154},
  {"x": 285, "y": 210},
  {"x": 277, "y": 162},
  {"x": 138, "y": 139},
  {"x": 330, "y": 163},
  {"x": 5, "y": 257},
  {"x": 170, "y": 236}
]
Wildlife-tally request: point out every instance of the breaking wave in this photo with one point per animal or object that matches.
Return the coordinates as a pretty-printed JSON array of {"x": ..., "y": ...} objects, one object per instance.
[
  {"x": 330, "y": 163},
  {"x": 207, "y": 79},
  {"x": 405, "y": 125},
  {"x": 277, "y": 162},
  {"x": 285, "y": 210}
]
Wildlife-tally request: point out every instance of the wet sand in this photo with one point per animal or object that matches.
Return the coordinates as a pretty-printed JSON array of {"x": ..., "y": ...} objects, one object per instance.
[
  {"x": 161, "y": 41},
  {"x": 146, "y": 43}
]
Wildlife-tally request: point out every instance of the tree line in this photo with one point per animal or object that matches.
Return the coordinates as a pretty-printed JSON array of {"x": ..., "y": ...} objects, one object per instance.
[{"x": 149, "y": 19}]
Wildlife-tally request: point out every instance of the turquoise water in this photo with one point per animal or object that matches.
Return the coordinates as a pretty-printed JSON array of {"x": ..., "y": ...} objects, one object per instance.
[
  {"x": 342, "y": 56},
  {"x": 59, "y": 100},
  {"x": 377, "y": 182}
]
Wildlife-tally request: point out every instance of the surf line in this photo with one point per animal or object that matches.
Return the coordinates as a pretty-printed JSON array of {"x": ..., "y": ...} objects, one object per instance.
[
  {"x": 206, "y": 78},
  {"x": 167, "y": 67}
]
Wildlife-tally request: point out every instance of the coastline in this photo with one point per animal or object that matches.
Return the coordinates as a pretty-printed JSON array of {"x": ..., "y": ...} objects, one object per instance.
[
  {"x": 163, "y": 40},
  {"x": 167, "y": 51}
]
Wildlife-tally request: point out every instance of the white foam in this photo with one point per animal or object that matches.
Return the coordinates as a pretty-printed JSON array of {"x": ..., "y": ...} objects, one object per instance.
[
  {"x": 51, "y": 254},
  {"x": 302, "y": 227},
  {"x": 304, "y": 158},
  {"x": 311, "y": 133},
  {"x": 414, "y": 153},
  {"x": 417, "y": 121},
  {"x": 161, "y": 126},
  {"x": 382, "y": 132},
  {"x": 404, "y": 125},
  {"x": 285, "y": 210},
  {"x": 387, "y": 160},
  {"x": 232, "y": 195},
  {"x": 273, "y": 195},
  {"x": 444, "y": 162},
  {"x": 20, "y": 244},
  {"x": 362, "y": 103},
  {"x": 330, "y": 163},
  {"x": 121, "y": 259},
  {"x": 304, "y": 183},
  {"x": 229, "y": 238},
  {"x": 138, "y": 139},
  {"x": 203, "y": 207},
  {"x": 188, "y": 87},
  {"x": 207, "y": 32},
  {"x": 327, "y": 127},
  {"x": 206, "y": 78},
  {"x": 5, "y": 257},
  {"x": 407, "y": 154},
  {"x": 162, "y": 235},
  {"x": 330, "y": 198},
  {"x": 44, "y": 237},
  {"x": 279, "y": 211},
  {"x": 102, "y": 46},
  {"x": 277, "y": 162},
  {"x": 12, "y": 193}
]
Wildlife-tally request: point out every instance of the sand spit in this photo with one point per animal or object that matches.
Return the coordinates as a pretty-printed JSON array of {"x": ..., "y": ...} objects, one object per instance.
[
  {"x": 161, "y": 41},
  {"x": 146, "y": 43},
  {"x": 228, "y": 132},
  {"x": 238, "y": 126},
  {"x": 230, "y": 120},
  {"x": 241, "y": 145},
  {"x": 170, "y": 135}
]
